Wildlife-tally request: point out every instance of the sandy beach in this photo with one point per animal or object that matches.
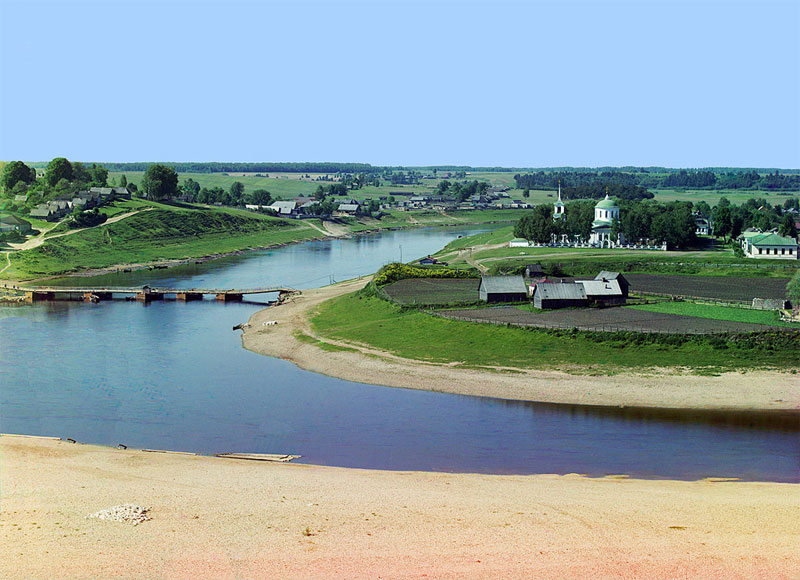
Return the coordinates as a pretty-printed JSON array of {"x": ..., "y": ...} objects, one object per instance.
[
  {"x": 661, "y": 388},
  {"x": 220, "y": 518}
]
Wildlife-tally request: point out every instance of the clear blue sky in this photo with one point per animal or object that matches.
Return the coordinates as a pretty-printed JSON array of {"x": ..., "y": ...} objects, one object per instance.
[{"x": 674, "y": 83}]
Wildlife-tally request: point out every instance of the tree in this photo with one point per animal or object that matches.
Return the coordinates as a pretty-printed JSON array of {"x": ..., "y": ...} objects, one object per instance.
[
  {"x": 723, "y": 220},
  {"x": 123, "y": 181},
  {"x": 58, "y": 169},
  {"x": 99, "y": 175},
  {"x": 526, "y": 193},
  {"x": 190, "y": 189},
  {"x": 237, "y": 190},
  {"x": 80, "y": 173},
  {"x": 787, "y": 227},
  {"x": 703, "y": 209},
  {"x": 160, "y": 182},
  {"x": 17, "y": 172},
  {"x": 537, "y": 226},
  {"x": 260, "y": 197},
  {"x": 793, "y": 289}
]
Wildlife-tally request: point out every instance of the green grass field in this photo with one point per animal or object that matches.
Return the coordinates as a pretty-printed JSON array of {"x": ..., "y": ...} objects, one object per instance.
[
  {"x": 714, "y": 312},
  {"x": 366, "y": 319}
]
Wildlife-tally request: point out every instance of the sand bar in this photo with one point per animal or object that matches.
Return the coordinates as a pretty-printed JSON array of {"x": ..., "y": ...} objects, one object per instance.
[
  {"x": 660, "y": 388},
  {"x": 217, "y": 518}
]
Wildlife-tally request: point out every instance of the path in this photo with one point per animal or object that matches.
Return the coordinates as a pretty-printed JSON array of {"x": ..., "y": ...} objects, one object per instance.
[{"x": 41, "y": 239}]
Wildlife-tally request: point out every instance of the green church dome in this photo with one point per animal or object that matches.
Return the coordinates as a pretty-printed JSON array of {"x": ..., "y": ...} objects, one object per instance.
[{"x": 607, "y": 203}]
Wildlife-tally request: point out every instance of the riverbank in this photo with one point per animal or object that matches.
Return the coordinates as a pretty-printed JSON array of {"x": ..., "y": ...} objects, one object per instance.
[
  {"x": 294, "y": 339},
  {"x": 304, "y": 230},
  {"x": 222, "y": 518}
]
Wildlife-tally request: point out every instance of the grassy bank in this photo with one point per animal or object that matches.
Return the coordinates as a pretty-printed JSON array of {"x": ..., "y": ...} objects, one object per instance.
[
  {"x": 159, "y": 234},
  {"x": 366, "y": 319}
]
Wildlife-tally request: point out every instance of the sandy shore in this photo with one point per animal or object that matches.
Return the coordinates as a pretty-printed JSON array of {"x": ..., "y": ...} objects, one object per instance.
[
  {"x": 220, "y": 518},
  {"x": 757, "y": 390}
]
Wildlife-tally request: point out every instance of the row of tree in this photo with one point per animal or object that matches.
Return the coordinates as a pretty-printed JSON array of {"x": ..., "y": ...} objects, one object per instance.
[
  {"x": 639, "y": 221},
  {"x": 730, "y": 220},
  {"x": 703, "y": 179},
  {"x": 461, "y": 191}
]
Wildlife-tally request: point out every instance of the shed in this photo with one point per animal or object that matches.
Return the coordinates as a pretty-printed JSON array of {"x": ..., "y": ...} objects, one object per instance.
[
  {"x": 533, "y": 271},
  {"x": 624, "y": 285},
  {"x": 502, "y": 289},
  {"x": 562, "y": 295},
  {"x": 13, "y": 223}
]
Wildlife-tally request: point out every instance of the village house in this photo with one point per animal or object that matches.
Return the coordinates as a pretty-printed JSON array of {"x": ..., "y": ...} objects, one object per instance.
[
  {"x": 284, "y": 208},
  {"x": 11, "y": 223},
  {"x": 502, "y": 289},
  {"x": 347, "y": 209},
  {"x": 702, "y": 226},
  {"x": 769, "y": 245}
]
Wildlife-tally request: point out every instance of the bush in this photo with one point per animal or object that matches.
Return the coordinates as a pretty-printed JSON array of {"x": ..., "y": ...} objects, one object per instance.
[{"x": 396, "y": 271}]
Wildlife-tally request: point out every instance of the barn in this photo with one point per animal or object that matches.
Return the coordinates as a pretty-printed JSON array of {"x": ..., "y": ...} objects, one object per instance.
[
  {"x": 562, "y": 295},
  {"x": 503, "y": 289},
  {"x": 603, "y": 291}
]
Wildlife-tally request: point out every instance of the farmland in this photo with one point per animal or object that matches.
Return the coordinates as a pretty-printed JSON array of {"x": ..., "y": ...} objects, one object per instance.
[
  {"x": 609, "y": 320},
  {"x": 434, "y": 290},
  {"x": 716, "y": 287}
]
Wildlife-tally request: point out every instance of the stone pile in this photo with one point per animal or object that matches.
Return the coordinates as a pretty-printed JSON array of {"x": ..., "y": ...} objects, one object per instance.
[{"x": 127, "y": 513}]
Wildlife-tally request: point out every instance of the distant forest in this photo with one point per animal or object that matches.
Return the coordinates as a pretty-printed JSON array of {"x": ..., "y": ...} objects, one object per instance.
[
  {"x": 704, "y": 179},
  {"x": 219, "y": 167}
]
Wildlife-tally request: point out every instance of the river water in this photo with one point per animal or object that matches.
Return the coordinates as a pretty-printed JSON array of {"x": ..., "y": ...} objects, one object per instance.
[{"x": 173, "y": 375}]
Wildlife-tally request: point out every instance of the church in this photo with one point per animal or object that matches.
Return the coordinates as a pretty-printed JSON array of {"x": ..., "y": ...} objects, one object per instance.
[{"x": 605, "y": 212}]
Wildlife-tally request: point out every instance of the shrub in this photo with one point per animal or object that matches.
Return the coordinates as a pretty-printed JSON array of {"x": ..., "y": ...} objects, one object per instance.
[{"x": 396, "y": 271}]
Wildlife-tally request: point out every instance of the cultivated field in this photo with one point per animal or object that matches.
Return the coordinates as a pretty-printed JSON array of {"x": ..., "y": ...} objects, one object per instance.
[
  {"x": 434, "y": 290},
  {"x": 718, "y": 287},
  {"x": 607, "y": 319}
]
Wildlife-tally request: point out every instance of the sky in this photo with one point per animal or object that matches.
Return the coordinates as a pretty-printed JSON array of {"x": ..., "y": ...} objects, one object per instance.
[{"x": 484, "y": 83}]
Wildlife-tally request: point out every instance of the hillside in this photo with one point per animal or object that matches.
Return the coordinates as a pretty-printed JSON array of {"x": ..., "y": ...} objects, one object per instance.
[{"x": 160, "y": 234}]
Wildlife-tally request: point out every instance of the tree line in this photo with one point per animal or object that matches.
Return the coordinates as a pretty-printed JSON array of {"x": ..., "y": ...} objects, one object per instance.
[
  {"x": 701, "y": 179},
  {"x": 648, "y": 221},
  {"x": 222, "y": 167}
]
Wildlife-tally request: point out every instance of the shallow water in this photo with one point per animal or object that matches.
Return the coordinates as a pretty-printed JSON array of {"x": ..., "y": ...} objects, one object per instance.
[{"x": 173, "y": 375}]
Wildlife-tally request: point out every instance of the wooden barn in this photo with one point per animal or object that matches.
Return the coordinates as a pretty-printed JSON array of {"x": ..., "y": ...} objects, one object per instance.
[
  {"x": 561, "y": 295},
  {"x": 503, "y": 289},
  {"x": 605, "y": 292}
]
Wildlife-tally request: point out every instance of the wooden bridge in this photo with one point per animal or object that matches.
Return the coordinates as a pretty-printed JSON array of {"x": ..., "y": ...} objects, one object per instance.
[{"x": 143, "y": 293}]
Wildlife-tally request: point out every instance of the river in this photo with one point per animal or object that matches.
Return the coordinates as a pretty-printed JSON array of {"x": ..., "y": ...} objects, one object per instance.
[{"x": 173, "y": 375}]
